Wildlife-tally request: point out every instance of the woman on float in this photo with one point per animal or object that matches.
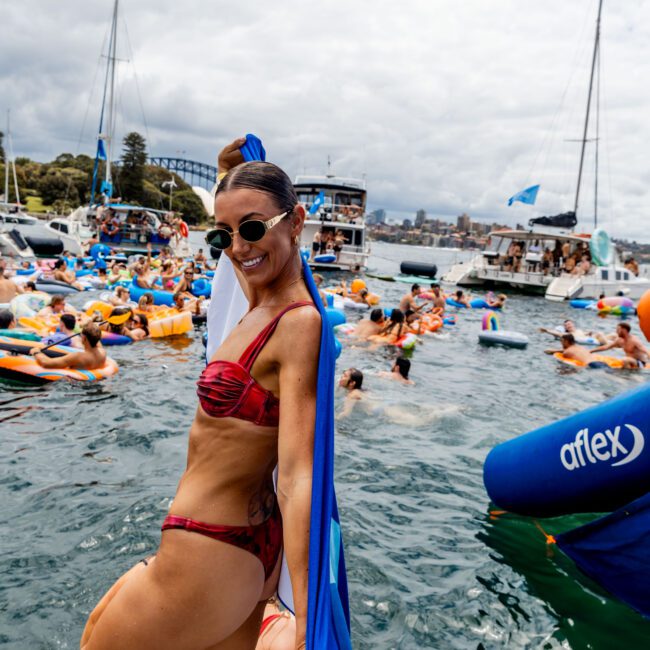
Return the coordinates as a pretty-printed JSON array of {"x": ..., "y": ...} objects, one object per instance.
[{"x": 219, "y": 556}]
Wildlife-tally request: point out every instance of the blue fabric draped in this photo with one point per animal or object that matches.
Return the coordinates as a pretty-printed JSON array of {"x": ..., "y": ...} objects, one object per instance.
[
  {"x": 252, "y": 149},
  {"x": 615, "y": 552},
  {"x": 328, "y": 618},
  {"x": 529, "y": 195}
]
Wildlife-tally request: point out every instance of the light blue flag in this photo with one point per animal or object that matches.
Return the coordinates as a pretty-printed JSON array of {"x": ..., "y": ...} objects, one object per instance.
[
  {"x": 529, "y": 195},
  {"x": 320, "y": 199},
  {"x": 101, "y": 151},
  {"x": 107, "y": 189}
]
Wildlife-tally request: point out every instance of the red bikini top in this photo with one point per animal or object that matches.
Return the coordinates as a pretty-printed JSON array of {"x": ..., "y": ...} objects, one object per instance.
[{"x": 226, "y": 388}]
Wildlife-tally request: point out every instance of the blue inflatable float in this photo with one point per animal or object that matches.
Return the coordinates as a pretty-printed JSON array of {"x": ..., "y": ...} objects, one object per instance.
[
  {"x": 594, "y": 461},
  {"x": 159, "y": 297}
]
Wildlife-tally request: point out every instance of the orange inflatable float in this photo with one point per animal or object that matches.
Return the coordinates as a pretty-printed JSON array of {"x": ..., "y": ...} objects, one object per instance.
[{"x": 643, "y": 310}]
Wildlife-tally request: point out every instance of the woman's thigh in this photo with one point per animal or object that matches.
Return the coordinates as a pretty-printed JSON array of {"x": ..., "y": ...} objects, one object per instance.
[{"x": 196, "y": 594}]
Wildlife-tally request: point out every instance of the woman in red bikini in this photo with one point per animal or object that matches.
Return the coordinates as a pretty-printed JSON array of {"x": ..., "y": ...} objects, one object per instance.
[{"x": 221, "y": 545}]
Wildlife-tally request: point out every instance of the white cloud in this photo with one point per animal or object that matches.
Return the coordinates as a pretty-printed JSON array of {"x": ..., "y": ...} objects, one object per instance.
[{"x": 443, "y": 105}]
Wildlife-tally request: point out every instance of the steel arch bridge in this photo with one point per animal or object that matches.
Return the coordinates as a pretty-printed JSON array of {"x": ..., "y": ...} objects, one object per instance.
[{"x": 193, "y": 172}]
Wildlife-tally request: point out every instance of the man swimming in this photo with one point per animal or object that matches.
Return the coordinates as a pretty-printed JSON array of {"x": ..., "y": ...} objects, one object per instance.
[
  {"x": 571, "y": 350},
  {"x": 399, "y": 371},
  {"x": 408, "y": 300},
  {"x": 351, "y": 380},
  {"x": 370, "y": 326},
  {"x": 637, "y": 356}
]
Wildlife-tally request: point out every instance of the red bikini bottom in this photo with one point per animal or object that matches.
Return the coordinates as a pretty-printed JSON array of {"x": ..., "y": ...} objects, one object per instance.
[{"x": 264, "y": 540}]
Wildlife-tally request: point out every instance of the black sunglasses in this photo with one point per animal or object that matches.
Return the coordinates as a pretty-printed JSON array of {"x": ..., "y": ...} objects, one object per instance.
[{"x": 250, "y": 231}]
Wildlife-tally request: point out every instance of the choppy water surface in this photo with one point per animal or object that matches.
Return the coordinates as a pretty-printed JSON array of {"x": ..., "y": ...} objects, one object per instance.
[{"x": 87, "y": 473}]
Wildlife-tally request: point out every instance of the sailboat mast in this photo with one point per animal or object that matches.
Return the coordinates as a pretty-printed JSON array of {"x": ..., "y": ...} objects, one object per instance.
[
  {"x": 112, "y": 55},
  {"x": 7, "y": 165},
  {"x": 591, "y": 84}
]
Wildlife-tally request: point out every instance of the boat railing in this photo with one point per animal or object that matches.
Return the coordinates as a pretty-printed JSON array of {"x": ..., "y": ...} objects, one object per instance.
[{"x": 338, "y": 213}]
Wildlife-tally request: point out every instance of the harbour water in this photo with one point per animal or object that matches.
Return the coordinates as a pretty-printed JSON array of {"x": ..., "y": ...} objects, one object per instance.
[{"x": 87, "y": 473}]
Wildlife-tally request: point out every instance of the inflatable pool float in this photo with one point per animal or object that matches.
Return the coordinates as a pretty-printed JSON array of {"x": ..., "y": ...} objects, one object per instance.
[
  {"x": 335, "y": 316},
  {"x": 480, "y": 303},
  {"x": 20, "y": 335},
  {"x": 325, "y": 259},
  {"x": 492, "y": 335},
  {"x": 346, "y": 329},
  {"x": 29, "y": 304},
  {"x": 610, "y": 362},
  {"x": 54, "y": 286},
  {"x": 406, "y": 341},
  {"x": 452, "y": 303},
  {"x": 421, "y": 269},
  {"x": 411, "y": 279},
  {"x": 169, "y": 322},
  {"x": 449, "y": 320},
  {"x": 616, "y": 305},
  {"x": 111, "y": 338},
  {"x": 201, "y": 287},
  {"x": 643, "y": 310},
  {"x": 594, "y": 461},
  {"x": 104, "y": 308},
  {"x": 582, "y": 304},
  {"x": 25, "y": 369},
  {"x": 601, "y": 248},
  {"x": 159, "y": 297}
]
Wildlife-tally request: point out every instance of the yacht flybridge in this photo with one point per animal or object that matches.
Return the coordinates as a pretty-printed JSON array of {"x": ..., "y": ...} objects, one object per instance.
[{"x": 336, "y": 206}]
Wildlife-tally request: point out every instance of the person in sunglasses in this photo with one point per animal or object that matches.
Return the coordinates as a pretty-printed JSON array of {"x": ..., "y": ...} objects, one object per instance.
[{"x": 221, "y": 548}]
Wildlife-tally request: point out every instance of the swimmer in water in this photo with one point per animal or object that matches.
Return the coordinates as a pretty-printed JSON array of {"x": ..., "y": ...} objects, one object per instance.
[
  {"x": 637, "y": 356},
  {"x": 92, "y": 357},
  {"x": 408, "y": 300},
  {"x": 571, "y": 350},
  {"x": 399, "y": 371},
  {"x": 351, "y": 381},
  {"x": 461, "y": 298},
  {"x": 570, "y": 328},
  {"x": 370, "y": 326}
]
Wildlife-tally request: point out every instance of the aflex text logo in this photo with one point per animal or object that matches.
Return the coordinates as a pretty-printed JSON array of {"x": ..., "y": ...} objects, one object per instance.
[{"x": 601, "y": 447}]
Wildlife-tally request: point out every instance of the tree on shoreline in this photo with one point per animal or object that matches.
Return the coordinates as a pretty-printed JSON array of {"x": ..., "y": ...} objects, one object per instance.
[{"x": 134, "y": 159}]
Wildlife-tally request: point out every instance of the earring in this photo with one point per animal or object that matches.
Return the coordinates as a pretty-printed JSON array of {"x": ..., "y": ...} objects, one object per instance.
[{"x": 296, "y": 240}]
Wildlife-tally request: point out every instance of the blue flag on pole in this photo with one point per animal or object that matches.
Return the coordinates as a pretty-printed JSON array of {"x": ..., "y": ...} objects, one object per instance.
[
  {"x": 529, "y": 195},
  {"x": 320, "y": 199},
  {"x": 101, "y": 151}
]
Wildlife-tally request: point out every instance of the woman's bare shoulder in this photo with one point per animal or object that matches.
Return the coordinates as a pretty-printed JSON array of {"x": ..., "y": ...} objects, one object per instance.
[{"x": 301, "y": 326}]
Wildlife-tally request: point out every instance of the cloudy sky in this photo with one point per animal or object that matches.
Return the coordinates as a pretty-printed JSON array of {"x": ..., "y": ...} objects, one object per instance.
[{"x": 443, "y": 105}]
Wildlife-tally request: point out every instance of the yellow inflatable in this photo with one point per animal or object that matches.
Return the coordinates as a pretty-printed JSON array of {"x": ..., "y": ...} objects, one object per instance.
[{"x": 169, "y": 322}]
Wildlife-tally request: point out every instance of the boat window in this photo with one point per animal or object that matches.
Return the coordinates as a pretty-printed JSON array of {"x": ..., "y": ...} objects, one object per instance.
[
  {"x": 64, "y": 227},
  {"x": 618, "y": 275},
  {"x": 604, "y": 274},
  {"x": 54, "y": 226},
  {"x": 626, "y": 276}
]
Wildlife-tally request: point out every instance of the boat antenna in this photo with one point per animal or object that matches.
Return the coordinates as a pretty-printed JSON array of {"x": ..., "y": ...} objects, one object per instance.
[
  {"x": 597, "y": 143},
  {"x": 591, "y": 84}
]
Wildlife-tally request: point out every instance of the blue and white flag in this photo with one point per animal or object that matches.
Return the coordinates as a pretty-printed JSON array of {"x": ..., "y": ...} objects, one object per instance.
[
  {"x": 320, "y": 199},
  {"x": 101, "y": 151},
  {"x": 107, "y": 189},
  {"x": 529, "y": 195}
]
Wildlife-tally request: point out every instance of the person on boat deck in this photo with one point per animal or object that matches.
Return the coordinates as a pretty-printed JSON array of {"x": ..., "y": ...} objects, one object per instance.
[
  {"x": 547, "y": 261},
  {"x": 62, "y": 274},
  {"x": 257, "y": 409},
  {"x": 92, "y": 356},
  {"x": 339, "y": 241},
  {"x": 583, "y": 267},
  {"x": 370, "y": 326},
  {"x": 324, "y": 239},
  {"x": 637, "y": 356},
  {"x": 408, "y": 300},
  {"x": 632, "y": 265},
  {"x": 571, "y": 350},
  {"x": 315, "y": 244},
  {"x": 57, "y": 307},
  {"x": 461, "y": 298},
  {"x": 8, "y": 288},
  {"x": 399, "y": 371}
]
